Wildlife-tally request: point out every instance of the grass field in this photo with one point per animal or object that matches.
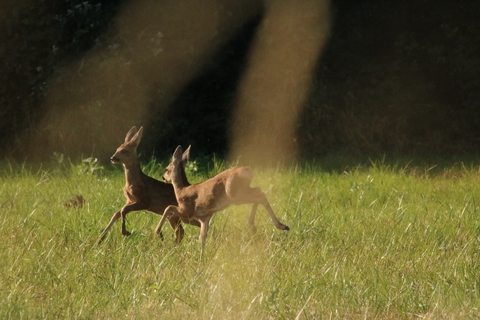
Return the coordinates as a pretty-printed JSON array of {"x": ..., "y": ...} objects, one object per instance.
[{"x": 376, "y": 241}]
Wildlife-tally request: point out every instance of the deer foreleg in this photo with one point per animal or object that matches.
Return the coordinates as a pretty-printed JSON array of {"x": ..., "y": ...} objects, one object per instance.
[
  {"x": 125, "y": 210},
  {"x": 192, "y": 222},
  {"x": 169, "y": 212},
  {"x": 204, "y": 226},
  {"x": 115, "y": 217}
]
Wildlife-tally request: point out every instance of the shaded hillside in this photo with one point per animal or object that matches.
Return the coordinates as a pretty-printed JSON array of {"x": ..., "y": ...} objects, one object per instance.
[{"x": 395, "y": 77}]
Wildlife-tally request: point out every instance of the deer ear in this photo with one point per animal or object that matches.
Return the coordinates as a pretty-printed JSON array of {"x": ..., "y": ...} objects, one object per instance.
[
  {"x": 130, "y": 134},
  {"x": 178, "y": 153},
  {"x": 138, "y": 136},
  {"x": 186, "y": 156}
]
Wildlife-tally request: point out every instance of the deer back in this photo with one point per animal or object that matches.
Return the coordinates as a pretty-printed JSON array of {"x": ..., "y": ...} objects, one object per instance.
[{"x": 218, "y": 192}]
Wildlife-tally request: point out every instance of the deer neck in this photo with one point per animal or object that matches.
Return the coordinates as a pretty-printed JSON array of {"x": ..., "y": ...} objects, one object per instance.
[
  {"x": 183, "y": 176},
  {"x": 179, "y": 178},
  {"x": 133, "y": 173}
]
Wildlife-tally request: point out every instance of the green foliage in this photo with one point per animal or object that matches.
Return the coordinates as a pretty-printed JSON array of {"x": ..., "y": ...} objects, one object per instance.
[
  {"x": 37, "y": 38},
  {"x": 90, "y": 166},
  {"x": 381, "y": 240},
  {"x": 392, "y": 80}
]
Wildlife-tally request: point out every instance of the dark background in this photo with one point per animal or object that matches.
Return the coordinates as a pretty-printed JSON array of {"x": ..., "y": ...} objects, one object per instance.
[{"x": 396, "y": 77}]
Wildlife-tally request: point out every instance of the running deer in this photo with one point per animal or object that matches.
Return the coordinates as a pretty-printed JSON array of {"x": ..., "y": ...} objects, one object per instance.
[
  {"x": 142, "y": 192},
  {"x": 200, "y": 201}
]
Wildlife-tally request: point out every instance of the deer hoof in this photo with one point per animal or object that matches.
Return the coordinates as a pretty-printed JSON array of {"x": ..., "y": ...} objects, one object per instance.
[
  {"x": 160, "y": 235},
  {"x": 126, "y": 233},
  {"x": 286, "y": 228}
]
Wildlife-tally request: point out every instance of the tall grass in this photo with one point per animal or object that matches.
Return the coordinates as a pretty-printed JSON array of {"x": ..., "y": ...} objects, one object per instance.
[{"x": 378, "y": 241}]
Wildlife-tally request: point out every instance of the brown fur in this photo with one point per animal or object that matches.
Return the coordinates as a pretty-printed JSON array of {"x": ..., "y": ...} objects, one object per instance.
[
  {"x": 201, "y": 201},
  {"x": 142, "y": 192}
]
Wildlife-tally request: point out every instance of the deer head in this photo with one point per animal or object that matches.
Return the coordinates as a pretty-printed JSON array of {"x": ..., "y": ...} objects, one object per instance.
[
  {"x": 178, "y": 159},
  {"x": 127, "y": 152}
]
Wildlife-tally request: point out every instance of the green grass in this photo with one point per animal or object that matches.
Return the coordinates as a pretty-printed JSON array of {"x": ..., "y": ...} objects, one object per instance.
[{"x": 376, "y": 241}]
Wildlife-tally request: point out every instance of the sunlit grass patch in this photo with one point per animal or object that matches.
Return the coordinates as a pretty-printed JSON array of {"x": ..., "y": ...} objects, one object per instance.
[{"x": 377, "y": 241}]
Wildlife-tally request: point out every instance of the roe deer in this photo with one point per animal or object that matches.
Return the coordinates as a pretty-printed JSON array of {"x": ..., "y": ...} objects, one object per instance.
[
  {"x": 200, "y": 201},
  {"x": 142, "y": 192}
]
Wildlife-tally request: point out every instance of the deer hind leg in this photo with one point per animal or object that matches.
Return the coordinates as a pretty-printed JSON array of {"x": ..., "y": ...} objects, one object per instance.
[
  {"x": 256, "y": 196},
  {"x": 124, "y": 228},
  {"x": 259, "y": 197},
  {"x": 176, "y": 224},
  {"x": 251, "y": 218},
  {"x": 274, "y": 218}
]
